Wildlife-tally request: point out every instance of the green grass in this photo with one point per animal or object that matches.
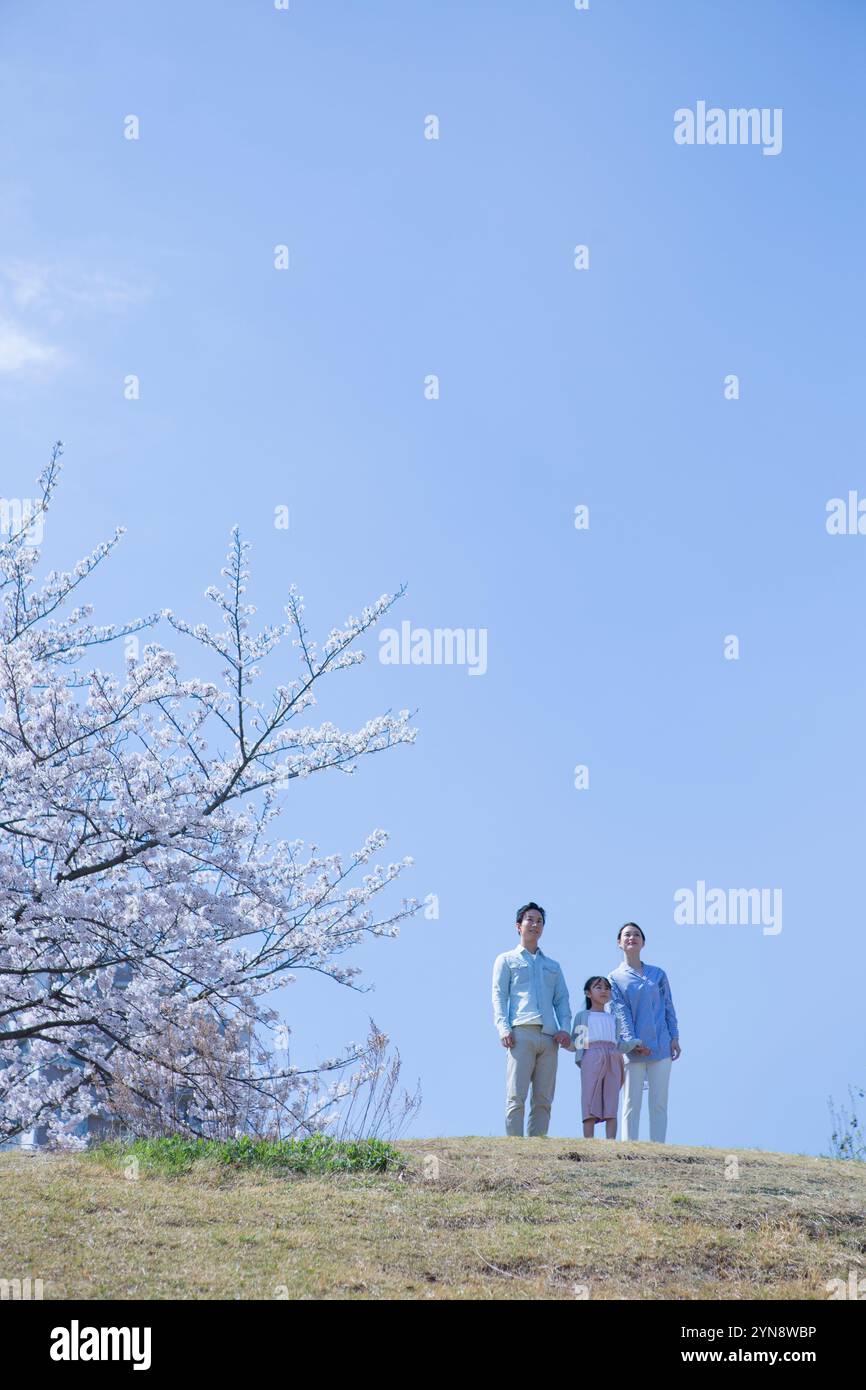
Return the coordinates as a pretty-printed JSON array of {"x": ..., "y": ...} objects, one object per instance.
[
  {"x": 472, "y": 1218},
  {"x": 318, "y": 1153}
]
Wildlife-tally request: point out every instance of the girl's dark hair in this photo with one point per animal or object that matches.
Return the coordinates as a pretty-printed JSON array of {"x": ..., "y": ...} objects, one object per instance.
[
  {"x": 630, "y": 924},
  {"x": 528, "y": 907},
  {"x": 593, "y": 980}
]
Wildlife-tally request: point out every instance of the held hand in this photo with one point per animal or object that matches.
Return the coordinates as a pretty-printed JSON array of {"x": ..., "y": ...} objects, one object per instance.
[
  {"x": 641, "y": 1051},
  {"x": 507, "y": 1040},
  {"x": 562, "y": 1038},
  {"x": 675, "y": 1049}
]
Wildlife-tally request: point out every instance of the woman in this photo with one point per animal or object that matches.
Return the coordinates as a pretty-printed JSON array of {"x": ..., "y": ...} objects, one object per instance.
[{"x": 641, "y": 1000}]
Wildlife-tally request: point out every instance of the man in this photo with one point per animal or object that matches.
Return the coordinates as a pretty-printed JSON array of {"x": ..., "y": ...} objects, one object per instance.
[{"x": 533, "y": 1018}]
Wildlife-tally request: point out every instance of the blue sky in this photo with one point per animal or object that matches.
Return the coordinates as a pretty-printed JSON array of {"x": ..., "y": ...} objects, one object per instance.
[{"x": 558, "y": 387}]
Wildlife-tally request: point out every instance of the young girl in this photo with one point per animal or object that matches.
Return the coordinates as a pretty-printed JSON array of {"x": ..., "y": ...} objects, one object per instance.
[{"x": 597, "y": 1041}]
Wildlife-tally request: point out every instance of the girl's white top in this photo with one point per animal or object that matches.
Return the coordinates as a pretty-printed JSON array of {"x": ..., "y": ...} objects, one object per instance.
[{"x": 601, "y": 1026}]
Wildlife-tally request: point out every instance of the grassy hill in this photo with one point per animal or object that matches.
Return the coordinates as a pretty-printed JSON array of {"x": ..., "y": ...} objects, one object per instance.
[{"x": 468, "y": 1218}]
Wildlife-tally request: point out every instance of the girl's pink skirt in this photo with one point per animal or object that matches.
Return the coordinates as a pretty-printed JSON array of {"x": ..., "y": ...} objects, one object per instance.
[{"x": 601, "y": 1077}]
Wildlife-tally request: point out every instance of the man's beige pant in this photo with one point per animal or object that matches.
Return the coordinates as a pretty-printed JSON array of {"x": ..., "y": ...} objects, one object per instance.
[{"x": 531, "y": 1061}]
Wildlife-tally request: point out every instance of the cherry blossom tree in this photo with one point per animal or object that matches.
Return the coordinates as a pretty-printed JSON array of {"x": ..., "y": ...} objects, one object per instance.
[{"x": 150, "y": 906}]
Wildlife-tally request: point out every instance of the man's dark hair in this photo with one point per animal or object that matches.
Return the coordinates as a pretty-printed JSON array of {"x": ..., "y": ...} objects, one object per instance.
[
  {"x": 630, "y": 924},
  {"x": 593, "y": 980},
  {"x": 528, "y": 907}
]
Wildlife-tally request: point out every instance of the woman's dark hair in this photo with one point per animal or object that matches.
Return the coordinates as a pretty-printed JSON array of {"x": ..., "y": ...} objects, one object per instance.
[
  {"x": 528, "y": 907},
  {"x": 630, "y": 924},
  {"x": 593, "y": 980}
]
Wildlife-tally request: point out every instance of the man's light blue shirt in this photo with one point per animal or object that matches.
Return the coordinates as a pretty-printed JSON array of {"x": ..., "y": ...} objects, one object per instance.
[
  {"x": 645, "y": 1010},
  {"x": 529, "y": 988}
]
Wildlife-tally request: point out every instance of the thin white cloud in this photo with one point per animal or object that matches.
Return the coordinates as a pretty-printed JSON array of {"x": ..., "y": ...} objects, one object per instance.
[
  {"x": 58, "y": 288},
  {"x": 37, "y": 301},
  {"x": 26, "y": 286},
  {"x": 20, "y": 350}
]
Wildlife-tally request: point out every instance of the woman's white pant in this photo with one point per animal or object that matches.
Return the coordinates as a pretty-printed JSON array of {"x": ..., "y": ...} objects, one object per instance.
[{"x": 658, "y": 1075}]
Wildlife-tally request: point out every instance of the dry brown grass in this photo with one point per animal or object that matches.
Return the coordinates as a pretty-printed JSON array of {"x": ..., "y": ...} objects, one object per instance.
[{"x": 504, "y": 1218}]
